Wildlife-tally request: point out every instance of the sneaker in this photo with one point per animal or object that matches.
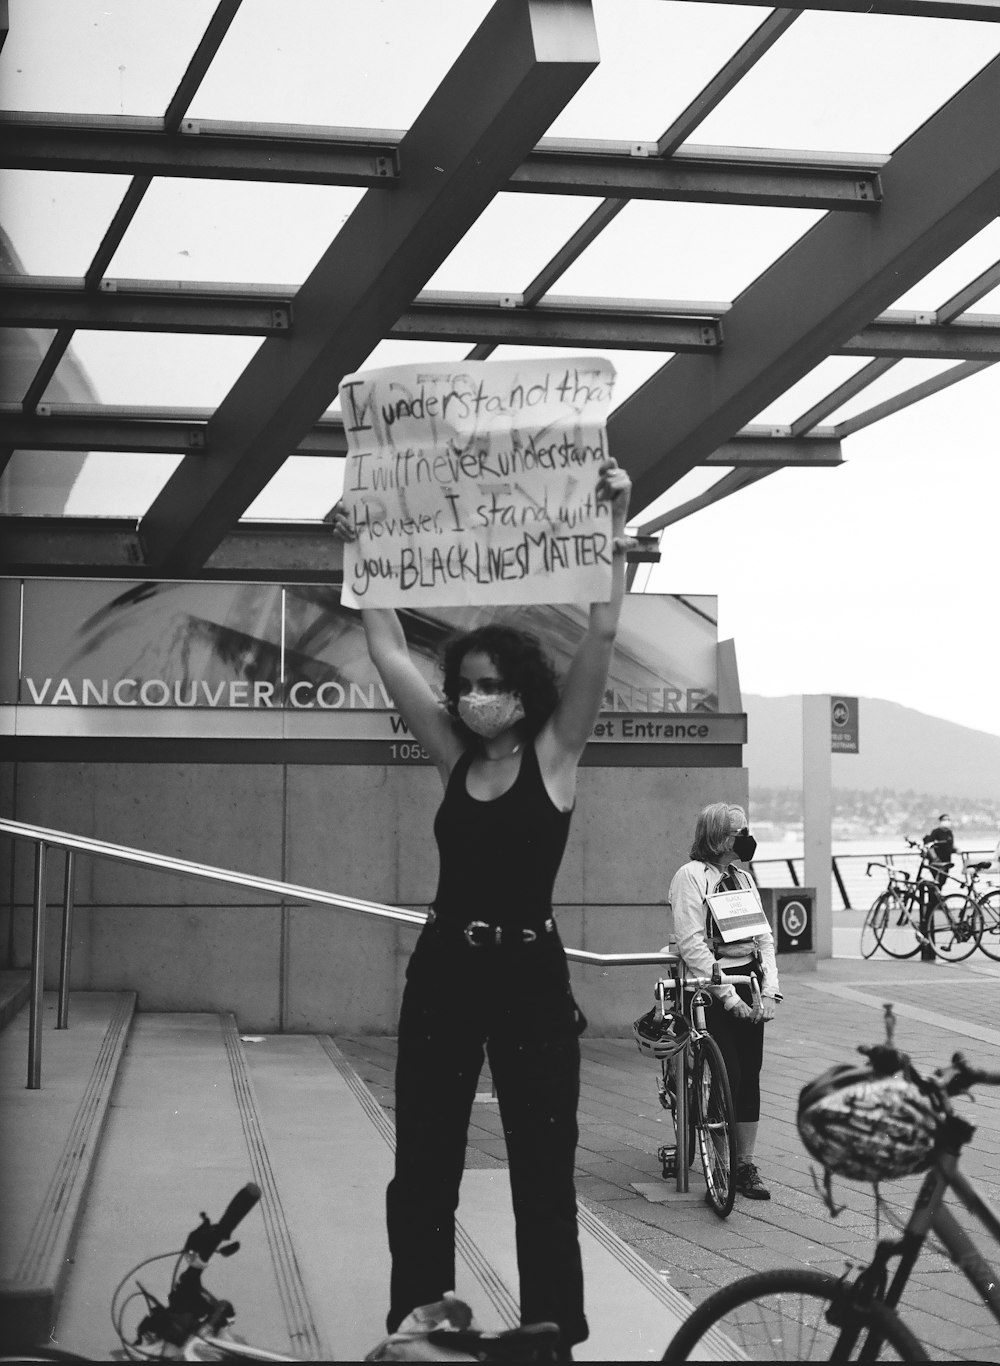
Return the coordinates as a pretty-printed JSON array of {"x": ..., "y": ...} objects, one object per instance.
[{"x": 748, "y": 1183}]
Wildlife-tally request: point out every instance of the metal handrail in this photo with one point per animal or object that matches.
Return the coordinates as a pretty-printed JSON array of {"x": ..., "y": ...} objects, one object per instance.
[
  {"x": 837, "y": 871},
  {"x": 44, "y": 838}
]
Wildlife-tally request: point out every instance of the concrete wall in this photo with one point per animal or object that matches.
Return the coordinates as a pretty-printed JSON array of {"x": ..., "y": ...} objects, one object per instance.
[{"x": 364, "y": 831}]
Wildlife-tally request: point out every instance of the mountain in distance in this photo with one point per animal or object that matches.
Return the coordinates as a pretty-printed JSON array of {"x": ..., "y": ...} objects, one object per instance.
[{"x": 899, "y": 749}]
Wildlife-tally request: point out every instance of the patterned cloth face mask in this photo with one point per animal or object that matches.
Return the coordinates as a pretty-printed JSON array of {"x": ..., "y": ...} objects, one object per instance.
[{"x": 489, "y": 714}]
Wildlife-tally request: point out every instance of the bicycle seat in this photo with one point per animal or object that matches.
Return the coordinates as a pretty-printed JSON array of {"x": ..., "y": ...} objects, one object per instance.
[{"x": 980, "y": 867}]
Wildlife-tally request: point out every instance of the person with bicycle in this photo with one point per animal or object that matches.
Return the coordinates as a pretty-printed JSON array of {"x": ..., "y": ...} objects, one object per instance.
[
  {"x": 489, "y": 971},
  {"x": 721, "y": 835}
]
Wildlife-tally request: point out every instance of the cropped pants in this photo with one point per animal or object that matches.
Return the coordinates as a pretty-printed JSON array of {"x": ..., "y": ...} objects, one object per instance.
[
  {"x": 515, "y": 1006},
  {"x": 742, "y": 1046}
]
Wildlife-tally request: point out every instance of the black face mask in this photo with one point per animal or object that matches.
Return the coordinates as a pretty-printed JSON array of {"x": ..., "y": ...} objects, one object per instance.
[{"x": 744, "y": 846}]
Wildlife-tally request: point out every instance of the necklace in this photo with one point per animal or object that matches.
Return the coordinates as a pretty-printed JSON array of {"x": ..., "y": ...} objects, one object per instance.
[{"x": 495, "y": 758}]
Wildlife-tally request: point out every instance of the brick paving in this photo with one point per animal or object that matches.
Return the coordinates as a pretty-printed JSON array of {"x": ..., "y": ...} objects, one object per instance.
[{"x": 940, "y": 1008}]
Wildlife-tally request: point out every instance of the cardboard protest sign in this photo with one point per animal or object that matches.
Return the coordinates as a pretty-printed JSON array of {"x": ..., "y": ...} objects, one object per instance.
[{"x": 474, "y": 483}]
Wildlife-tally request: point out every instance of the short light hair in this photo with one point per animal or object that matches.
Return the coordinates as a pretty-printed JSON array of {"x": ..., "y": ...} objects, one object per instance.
[{"x": 712, "y": 830}]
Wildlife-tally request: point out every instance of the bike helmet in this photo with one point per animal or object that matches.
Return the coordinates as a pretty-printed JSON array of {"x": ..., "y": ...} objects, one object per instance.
[
  {"x": 661, "y": 1037},
  {"x": 868, "y": 1123}
]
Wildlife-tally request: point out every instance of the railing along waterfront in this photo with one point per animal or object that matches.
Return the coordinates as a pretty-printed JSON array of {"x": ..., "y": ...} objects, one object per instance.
[
  {"x": 851, "y": 887},
  {"x": 44, "y": 839}
]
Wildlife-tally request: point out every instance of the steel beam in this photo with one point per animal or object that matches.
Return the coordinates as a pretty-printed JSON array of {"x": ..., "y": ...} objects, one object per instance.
[
  {"x": 224, "y": 151},
  {"x": 126, "y": 306},
  {"x": 626, "y": 324},
  {"x": 777, "y": 448},
  {"x": 82, "y": 427},
  {"x": 921, "y": 336},
  {"x": 198, "y": 150},
  {"x": 856, "y": 384},
  {"x": 729, "y": 484},
  {"x": 257, "y": 552},
  {"x": 940, "y": 188},
  {"x": 979, "y": 10},
  {"x": 558, "y": 325},
  {"x": 521, "y": 67},
  {"x": 155, "y": 431},
  {"x": 699, "y": 177},
  {"x": 924, "y": 390},
  {"x": 109, "y": 547}
]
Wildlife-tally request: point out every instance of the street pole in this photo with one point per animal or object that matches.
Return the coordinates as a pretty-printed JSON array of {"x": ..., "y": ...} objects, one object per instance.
[{"x": 817, "y": 811}]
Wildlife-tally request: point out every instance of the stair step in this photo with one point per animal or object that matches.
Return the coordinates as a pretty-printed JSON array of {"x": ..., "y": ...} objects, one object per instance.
[
  {"x": 184, "y": 1134},
  {"x": 199, "y": 1111},
  {"x": 50, "y": 1140},
  {"x": 15, "y": 989}
]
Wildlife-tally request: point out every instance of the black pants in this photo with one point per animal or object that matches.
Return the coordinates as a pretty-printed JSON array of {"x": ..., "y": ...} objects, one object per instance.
[
  {"x": 742, "y": 1045},
  {"x": 515, "y": 1005}
]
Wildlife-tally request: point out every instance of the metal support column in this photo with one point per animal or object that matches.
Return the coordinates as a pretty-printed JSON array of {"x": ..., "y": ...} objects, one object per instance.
[
  {"x": 62, "y": 1019},
  {"x": 37, "y": 974}
]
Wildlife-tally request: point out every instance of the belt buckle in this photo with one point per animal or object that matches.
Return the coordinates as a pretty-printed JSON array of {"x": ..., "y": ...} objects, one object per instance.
[{"x": 474, "y": 936}]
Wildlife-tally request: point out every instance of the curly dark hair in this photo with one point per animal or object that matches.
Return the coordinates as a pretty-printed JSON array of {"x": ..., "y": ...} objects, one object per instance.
[{"x": 521, "y": 662}]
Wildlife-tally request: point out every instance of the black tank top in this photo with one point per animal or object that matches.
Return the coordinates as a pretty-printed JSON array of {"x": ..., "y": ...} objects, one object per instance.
[{"x": 499, "y": 859}]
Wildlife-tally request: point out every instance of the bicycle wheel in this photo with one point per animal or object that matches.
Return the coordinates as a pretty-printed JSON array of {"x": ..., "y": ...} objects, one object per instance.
[
  {"x": 874, "y": 926},
  {"x": 989, "y": 938},
  {"x": 715, "y": 1124},
  {"x": 898, "y": 921},
  {"x": 786, "y": 1316},
  {"x": 955, "y": 926}
]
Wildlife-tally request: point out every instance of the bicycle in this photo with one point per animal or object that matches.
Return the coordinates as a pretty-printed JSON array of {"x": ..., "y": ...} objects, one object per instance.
[
  {"x": 988, "y": 901},
  {"x": 693, "y": 1086},
  {"x": 801, "y": 1315},
  {"x": 913, "y": 913},
  {"x": 195, "y": 1326}
]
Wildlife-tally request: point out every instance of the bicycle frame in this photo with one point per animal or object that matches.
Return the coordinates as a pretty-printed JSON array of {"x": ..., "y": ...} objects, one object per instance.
[
  {"x": 931, "y": 1215},
  {"x": 681, "y": 1062}
]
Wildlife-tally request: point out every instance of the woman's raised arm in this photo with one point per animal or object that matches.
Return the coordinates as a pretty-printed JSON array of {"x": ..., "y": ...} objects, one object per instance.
[
  {"x": 569, "y": 728},
  {"x": 583, "y": 689},
  {"x": 414, "y": 697}
]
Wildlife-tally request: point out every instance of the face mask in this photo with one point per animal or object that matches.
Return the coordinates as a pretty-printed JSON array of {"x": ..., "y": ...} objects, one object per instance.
[
  {"x": 744, "y": 846},
  {"x": 490, "y": 713}
]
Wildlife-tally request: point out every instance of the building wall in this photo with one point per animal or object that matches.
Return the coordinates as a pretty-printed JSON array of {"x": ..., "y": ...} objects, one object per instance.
[{"x": 362, "y": 831}]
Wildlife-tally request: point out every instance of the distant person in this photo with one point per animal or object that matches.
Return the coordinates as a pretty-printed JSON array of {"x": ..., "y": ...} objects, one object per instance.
[
  {"x": 736, "y": 1024},
  {"x": 940, "y": 846}
]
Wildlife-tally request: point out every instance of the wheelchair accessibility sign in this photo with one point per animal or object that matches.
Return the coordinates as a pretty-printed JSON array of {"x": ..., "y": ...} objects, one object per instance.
[{"x": 794, "y": 919}]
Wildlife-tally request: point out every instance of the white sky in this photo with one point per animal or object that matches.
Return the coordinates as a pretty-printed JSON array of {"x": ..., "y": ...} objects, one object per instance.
[{"x": 878, "y": 578}]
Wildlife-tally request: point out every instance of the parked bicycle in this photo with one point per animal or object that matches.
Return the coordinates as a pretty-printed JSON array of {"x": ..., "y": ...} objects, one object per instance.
[
  {"x": 195, "y": 1326},
  {"x": 693, "y": 1084},
  {"x": 988, "y": 900},
  {"x": 913, "y": 912},
  {"x": 871, "y": 1123}
]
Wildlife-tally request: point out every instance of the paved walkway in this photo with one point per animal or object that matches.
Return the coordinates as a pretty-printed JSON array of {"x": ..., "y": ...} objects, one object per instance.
[{"x": 940, "y": 1009}]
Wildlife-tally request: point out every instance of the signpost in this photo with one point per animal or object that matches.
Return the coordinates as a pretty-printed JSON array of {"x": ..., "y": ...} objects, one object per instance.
[
  {"x": 844, "y": 725},
  {"x": 829, "y": 726}
]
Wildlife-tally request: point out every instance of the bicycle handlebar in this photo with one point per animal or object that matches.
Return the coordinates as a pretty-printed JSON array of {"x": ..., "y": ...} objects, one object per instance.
[
  {"x": 204, "y": 1240},
  {"x": 960, "y": 1075}
]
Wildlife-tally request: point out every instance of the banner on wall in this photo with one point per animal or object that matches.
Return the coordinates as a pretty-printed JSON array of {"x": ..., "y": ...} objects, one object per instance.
[
  {"x": 260, "y": 647},
  {"x": 474, "y": 483}
]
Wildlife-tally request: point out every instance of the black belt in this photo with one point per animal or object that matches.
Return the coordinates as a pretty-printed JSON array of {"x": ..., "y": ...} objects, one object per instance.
[{"x": 479, "y": 934}]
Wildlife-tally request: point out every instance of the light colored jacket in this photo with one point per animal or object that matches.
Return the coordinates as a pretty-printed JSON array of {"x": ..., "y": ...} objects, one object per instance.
[{"x": 690, "y": 886}]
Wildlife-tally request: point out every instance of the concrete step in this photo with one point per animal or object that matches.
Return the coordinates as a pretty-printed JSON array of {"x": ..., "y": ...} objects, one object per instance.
[
  {"x": 50, "y": 1139},
  {"x": 200, "y": 1110},
  {"x": 15, "y": 988}
]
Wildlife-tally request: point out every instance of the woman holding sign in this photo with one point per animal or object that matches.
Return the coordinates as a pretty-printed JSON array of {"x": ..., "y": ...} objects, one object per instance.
[
  {"x": 736, "y": 1024},
  {"x": 489, "y": 972}
]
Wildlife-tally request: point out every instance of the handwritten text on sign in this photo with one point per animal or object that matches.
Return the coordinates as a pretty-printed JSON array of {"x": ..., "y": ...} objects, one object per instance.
[{"x": 475, "y": 483}]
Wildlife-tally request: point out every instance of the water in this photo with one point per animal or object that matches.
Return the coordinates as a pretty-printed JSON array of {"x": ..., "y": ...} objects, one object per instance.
[{"x": 973, "y": 842}]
